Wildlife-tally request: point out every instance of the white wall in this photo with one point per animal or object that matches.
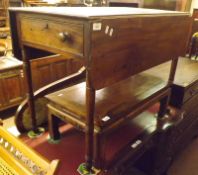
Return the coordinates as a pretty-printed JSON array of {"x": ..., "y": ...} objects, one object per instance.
[{"x": 194, "y": 4}]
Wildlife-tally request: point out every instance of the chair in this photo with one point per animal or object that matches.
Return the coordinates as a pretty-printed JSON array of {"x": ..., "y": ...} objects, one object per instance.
[{"x": 17, "y": 158}]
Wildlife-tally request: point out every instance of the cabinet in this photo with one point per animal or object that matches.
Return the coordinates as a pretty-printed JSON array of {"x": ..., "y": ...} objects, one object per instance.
[
  {"x": 11, "y": 82},
  {"x": 184, "y": 97}
]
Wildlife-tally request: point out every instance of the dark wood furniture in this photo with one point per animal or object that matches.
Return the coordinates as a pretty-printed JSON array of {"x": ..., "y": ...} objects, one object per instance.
[
  {"x": 184, "y": 96},
  {"x": 184, "y": 87},
  {"x": 17, "y": 158},
  {"x": 11, "y": 82},
  {"x": 114, "y": 106},
  {"x": 112, "y": 48}
]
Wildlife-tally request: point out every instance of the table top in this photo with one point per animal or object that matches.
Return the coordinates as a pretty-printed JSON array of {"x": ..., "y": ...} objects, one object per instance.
[
  {"x": 186, "y": 72},
  {"x": 94, "y": 12}
]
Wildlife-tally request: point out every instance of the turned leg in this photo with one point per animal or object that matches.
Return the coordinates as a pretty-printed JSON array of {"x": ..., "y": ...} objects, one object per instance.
[
  {"x": 89, "y": 129},
  {"x": 53, "y": 124}
]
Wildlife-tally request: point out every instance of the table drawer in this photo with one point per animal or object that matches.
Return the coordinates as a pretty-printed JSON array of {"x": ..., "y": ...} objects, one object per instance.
[
  {"x": 191, "y": 91},
  {"x": 60, "y": 35}
]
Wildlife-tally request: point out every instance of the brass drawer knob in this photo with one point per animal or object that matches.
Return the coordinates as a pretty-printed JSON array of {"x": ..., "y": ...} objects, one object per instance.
[{"x": 65, "y": 36}]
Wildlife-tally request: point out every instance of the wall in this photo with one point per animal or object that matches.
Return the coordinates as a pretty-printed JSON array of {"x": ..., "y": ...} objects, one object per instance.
[{"x": 194, "y": 5}]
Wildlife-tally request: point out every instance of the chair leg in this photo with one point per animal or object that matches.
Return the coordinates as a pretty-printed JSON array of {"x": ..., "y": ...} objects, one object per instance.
[{"x": 53, "y": 123}]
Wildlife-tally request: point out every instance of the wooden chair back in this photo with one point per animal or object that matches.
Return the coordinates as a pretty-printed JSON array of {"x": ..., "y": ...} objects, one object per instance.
[
  {"x": 20, "y": 159},
  {"x": 121, "y": 51}
]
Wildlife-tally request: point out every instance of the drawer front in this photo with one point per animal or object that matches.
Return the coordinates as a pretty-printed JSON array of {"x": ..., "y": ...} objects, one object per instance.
[
  {"x": 54, "y": 35},
  {"x": 191, "y": 91},
  {"x": 186, "y": 137},
  {"x": 191, "y": 105}
]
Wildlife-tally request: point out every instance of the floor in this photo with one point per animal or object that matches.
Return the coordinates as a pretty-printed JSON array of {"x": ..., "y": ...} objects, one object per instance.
[{"x": 186, "y": 162}]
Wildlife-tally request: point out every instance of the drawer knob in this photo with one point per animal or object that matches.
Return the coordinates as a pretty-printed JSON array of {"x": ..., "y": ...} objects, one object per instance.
[{"x": 64, "y": 36}]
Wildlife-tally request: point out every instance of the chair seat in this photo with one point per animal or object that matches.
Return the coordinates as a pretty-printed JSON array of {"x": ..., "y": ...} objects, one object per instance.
[{"x": 112, "y": 102}]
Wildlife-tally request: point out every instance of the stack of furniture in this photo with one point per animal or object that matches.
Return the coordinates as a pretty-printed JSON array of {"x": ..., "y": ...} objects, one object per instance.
[
  {"x": 17, "y": 158},
  {"x": 113, "y": 50}
]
